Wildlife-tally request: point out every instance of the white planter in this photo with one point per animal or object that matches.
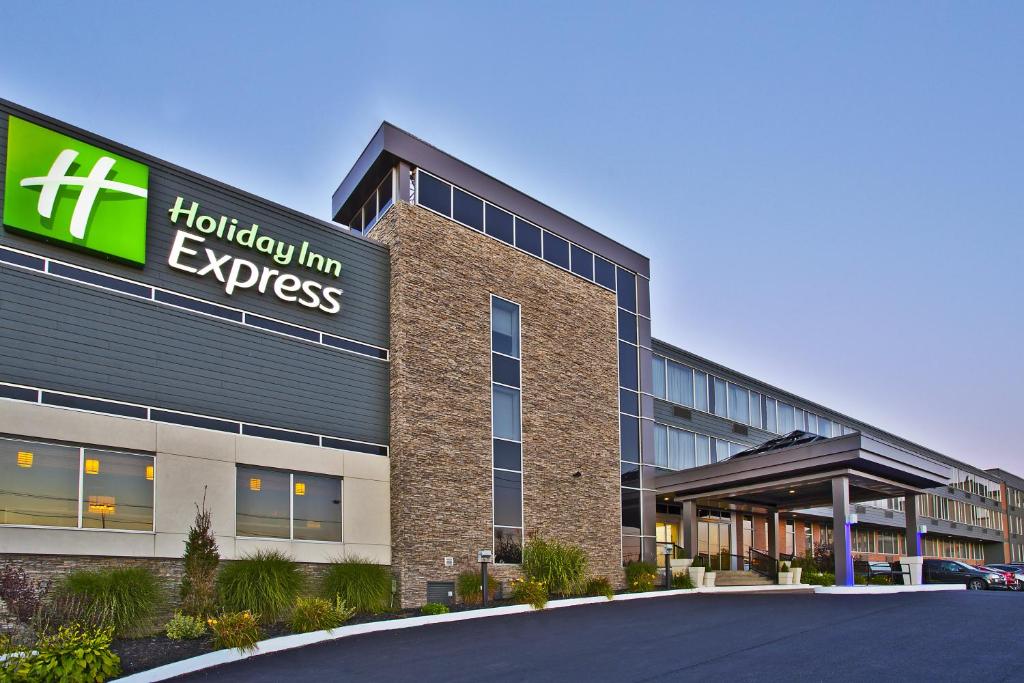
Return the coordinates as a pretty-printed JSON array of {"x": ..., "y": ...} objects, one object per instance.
[
  {"x": 709, "y": 579},
  {"x": 697, "y": 576},
  {"x": 681, "y": 564},
  {"x": 785, "y": 578},
  {"x": 797, "y": 573}
]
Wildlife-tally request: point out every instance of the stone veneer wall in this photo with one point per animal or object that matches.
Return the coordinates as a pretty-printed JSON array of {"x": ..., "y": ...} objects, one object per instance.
[{"x": 441, "y": 504}]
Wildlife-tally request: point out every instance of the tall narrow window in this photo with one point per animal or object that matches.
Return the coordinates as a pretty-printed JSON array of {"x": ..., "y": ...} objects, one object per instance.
[{"x": 506, "y": 432}]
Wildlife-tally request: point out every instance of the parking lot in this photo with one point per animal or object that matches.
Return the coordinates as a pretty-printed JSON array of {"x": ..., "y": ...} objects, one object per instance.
[{"x": 943, "y": 636}]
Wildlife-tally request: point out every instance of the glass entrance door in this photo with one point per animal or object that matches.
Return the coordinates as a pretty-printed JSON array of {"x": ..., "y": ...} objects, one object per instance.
[{"x": 714, "y": 538}]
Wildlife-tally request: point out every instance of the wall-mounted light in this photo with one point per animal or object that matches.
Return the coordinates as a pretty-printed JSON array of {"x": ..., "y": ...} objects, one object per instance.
[
  {"x": 300, "y": 488},
  {"x": 149, "y": 473},
  {"x": 923, "y": 528},
  {"x": 852, "y": 518},
  {"x": 255, "y": 484},
  {"x": 24, "y": 459}
]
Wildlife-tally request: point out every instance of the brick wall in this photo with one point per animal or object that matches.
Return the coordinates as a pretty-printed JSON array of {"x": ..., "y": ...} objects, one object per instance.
[{"x": 442, "y": 277}]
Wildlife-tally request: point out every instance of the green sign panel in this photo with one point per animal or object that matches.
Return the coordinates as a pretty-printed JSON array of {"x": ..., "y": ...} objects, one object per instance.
[{"x": 65, "y": 190}]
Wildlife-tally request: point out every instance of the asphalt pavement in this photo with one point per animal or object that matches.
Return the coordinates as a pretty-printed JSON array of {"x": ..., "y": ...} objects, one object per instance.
[{"x": 947, "y": 636}]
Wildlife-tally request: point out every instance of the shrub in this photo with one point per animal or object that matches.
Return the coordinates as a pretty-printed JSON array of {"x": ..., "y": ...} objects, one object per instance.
[
  {"x": 599, "y": 585},
  {"x": 265, "y": 583},
  {"x": 126, "y": 599},
  {"x": 72, "y": 653},
  {"x": 820, "y": 579},
  {"x": 560, "y": 566},
  {"x": 22, "y": 595},
  {"x": 530, "y": 592},
  {"x": 682, "y": 580},
  {"x": 185, "y": 627},
  {"x": 469, "y": 587},
  {"x": 199, "y": 581},
  {"x": 360, "y": 583},
  {"x": 824, "y": 558},
  {"x": 235, "y": 629},
  {"x": 640, "y": 576},
  {"x": 700, "y": 561},
  {"x": 319, "y": 614},
  {"x": 784, "y": 567},
  {"x": 434, "y": 608}
]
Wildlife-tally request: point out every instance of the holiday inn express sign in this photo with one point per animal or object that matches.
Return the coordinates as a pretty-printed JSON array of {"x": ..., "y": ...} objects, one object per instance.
[{"x": 70, "y": 193}]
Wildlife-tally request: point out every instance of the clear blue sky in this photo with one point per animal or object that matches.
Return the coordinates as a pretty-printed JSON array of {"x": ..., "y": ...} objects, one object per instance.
[{"x": 832, "y": 195}]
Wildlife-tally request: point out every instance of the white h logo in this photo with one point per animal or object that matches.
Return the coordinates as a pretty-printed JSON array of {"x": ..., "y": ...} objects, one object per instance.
[{"x": 90, "y": 184}]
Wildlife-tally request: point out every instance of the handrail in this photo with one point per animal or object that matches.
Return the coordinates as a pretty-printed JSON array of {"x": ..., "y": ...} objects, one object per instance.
[
  {"x": 762, "y": 563},
  {"x": 722, "y": 561}
]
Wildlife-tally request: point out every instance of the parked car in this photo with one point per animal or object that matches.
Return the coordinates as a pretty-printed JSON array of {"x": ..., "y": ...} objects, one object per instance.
[
  {"x": 1016, "y": 570},
  {"x": 951, "y": 571}
]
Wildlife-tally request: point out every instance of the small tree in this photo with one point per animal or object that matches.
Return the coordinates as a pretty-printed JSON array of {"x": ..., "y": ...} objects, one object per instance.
[{"x": 198, "y": 583}]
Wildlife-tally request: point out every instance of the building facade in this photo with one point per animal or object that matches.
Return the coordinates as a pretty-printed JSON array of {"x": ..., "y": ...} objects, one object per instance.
[{"x": 447, "y": 366}]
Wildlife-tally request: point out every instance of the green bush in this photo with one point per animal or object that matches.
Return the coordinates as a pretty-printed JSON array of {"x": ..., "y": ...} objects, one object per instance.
[
  {"x": 682, "y": 580},
  {"x": 235, "y": 629},
  {"x": 72, "y": 653},
  {"x": 599, "y": 585},
  {"x": 640, "y": 576},
  {"x": 265, "y": 583},
  {"x": 530, "y": 592},
  {"x": 185, "y": 627},
  {"x": 434, "y": 608},
  {"x": 361, "y": 584},
  {"x": 199, "y": 580},
  {"x": 318, "y": 614},
  {"x": 784, "y": 567},
  {"x": 126, "y": 599},
  {"x": 820, "y": 579},
  {"x": 560, "y": 566},
  {"x": 469, "y": 587}
]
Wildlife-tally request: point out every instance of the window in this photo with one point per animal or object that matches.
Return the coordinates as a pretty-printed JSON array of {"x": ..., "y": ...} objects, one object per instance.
[
  {"x": 808, "y": 539},
  {"x": 582, "y": 262},
  {"x": 528, "y": 237},
  {"x": 680, "y": 384},
  {"x": 628, "y": 366},
  {"x": 658, "y": 365},
  {"x": 556, "y": 250},
  {"x": 786, "y": 418},
  {"x": 469, "y": 210},
  {"x": 812, "y": 423},
  {"x": 756, "y": 417},
  {"x": 626, "y": 289},
  {"x": 604, "y": 273},
  {"x": 627, "y": 326},
  {"x": 790, "y": 537},
  {"x": 433, "y": 193},
  {"x": 700, "y": 390},
  {"x": 739, "y": 403},
  {"x": 770, "y": 411},
  {"x": 499, "y": 224},
  {"x": 719, "y": 397},
  {"x": 293, "y": 505},
  {"x": 703, "y": 450},
  {"x": 506, "y": 442},
  {"x": 64, "y": 486}
]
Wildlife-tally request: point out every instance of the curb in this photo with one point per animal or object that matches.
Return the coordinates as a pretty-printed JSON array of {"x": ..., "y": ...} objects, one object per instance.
[
  {"x": 219, "y": 657},
  {"x": 887, "y": 590}
]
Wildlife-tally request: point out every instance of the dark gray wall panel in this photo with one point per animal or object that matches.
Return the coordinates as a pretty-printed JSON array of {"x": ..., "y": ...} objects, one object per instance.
[
  {"x": 704, "y": 423},
  {"x": 364, "y": 277},
  {"x": 66, "y": 336}
]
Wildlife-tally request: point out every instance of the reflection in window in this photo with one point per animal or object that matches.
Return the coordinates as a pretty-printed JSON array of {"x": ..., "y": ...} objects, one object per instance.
[
  {"x": 48, "y": 485},
  {"x": 117, "y": 491},
  {"x": 293, "y": 505},
  {"x": 38, "y": 484}
]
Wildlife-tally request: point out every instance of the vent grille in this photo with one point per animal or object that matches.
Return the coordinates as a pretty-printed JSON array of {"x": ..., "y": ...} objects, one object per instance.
[
  {"x": 441, "y": 591},
  {"x": 684, "y": 413},
  {"x": 888, "y": 514},
  {"x": 740, "y": 429}
]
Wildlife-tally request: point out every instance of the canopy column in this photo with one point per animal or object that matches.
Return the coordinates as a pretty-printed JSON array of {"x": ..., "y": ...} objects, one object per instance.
[{"x": 841, "y": 537}]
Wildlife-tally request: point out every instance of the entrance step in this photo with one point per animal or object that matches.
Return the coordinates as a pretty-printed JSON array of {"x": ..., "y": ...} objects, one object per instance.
[{"x": 741, "y": 578}]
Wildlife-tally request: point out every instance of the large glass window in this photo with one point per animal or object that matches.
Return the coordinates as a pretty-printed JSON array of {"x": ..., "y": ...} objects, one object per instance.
[
  {"x": 556, "y": 250},
  {"x": 680, "y": 384},
  {"x": 499, "y": 224},
  {"x": 756, "y": 416},
  {"x": 505, "y": 327},
  {"x": 771, "y": 423},
  {"x": 470, "y": 210},
  {"x": 739, "y": 404},
  {"x": 506, "y": 412},
  {"x": 528, "y": 237},
  {"x": 117, "y": 491},
  {"x": 48, "y": 485},
  {"x": 293, "y": 505},
  {"x": 703, "y": 450}
]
